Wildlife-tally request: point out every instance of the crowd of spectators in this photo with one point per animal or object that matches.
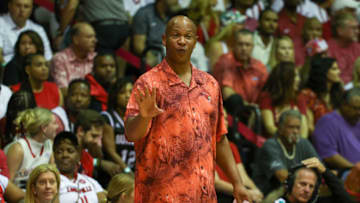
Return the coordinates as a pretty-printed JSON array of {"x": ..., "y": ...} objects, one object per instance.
[{"x": 288, "y": 70}]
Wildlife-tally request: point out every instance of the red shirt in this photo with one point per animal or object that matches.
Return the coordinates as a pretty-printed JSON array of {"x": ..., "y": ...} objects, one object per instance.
[
  {"x": 294, "y": 30},
  {"x": 97, "y": 91},
  {"x": 245, "y": 82},
  {"x": 175, "y": 161},
  {"x": 315, "y": 104},
  {"x": 87, "y": 163},
  {"x": 345, "y": 57},
  {"x": 48, "y": 98},
  {"x": 265, "y": 102}
]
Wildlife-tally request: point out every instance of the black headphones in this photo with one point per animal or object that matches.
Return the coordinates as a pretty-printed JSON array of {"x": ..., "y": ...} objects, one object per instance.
[{"x": 289, "y": 183}]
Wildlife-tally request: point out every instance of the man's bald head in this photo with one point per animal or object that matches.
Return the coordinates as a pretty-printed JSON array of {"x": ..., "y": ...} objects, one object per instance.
[
  {"x": 177, "y": 19},
  {"x": 83, "y": 37}
]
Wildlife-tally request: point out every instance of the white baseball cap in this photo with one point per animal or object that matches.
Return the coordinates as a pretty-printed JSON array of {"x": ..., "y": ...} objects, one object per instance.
[{"x": 341, "y": 4}]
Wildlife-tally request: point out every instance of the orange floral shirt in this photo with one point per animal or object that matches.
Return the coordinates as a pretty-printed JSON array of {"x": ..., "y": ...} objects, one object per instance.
[{"x": 175, "y": 161}]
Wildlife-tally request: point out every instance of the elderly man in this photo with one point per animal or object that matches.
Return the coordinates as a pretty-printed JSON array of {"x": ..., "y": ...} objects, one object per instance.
[
  {"x": 15, "y": 22},
  {"x": 175, "y": 117},
  {"x": 76, "y": 61},
  {"x": 281, "y": 152},
  {"x": 302, "y": 185}
]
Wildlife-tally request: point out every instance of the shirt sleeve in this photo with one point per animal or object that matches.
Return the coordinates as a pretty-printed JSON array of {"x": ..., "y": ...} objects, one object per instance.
[
  {"x": 221, "y": 128},
  {"x": 96, "y": 185},
  {"x": 325, "y": 138},
  {"x": 271, "y": 158},
  {"x": 4, "y": 181},
  {"x": 58, "y": 71},
  {"x": 140, "y": 23},
  {"x": 265, "y": 101}
]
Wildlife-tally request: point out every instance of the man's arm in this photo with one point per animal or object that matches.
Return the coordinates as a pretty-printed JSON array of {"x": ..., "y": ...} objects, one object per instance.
[
  {"x": 139, "y": 43},
  {"x": 109, "y": 145},
  {"x": 338, "y": 161},
  {"x": 282, "y": 175},
  {"x": 225, "y": 160}
]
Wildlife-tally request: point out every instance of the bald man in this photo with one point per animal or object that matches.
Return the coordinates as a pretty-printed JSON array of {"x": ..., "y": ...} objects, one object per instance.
[
  {"x": 175, "y": 117},
  {"x": 75, "y": 61}
]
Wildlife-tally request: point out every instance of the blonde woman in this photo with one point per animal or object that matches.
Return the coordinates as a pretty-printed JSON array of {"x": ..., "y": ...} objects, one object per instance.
[
  {"x": 43, "y": 185},
  {"x": 38, "y": 126},
  {"x": 121, "y": 189},
  {"x": 283, "y": 51}
]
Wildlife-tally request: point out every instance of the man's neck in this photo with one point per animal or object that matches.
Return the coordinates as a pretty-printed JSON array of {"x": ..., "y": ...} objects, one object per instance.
[
  {"x": 182, "y": 70},
  {"x": 266, "y": 38},
  {"x": 289, "y": 148},
  {"x": 291, "y": 12},
  {"x": 79, "y": 53},
  {"x": 18, "y": 24},
  {"x": 343, "y": 43},
  {"x": 160, "y": 8},
  {"x": 291, "y": 199}
]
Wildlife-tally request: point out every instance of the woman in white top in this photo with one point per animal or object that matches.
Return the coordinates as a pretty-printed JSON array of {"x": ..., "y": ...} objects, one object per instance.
[
  {"x": 74, "y": 187},
  {"x": 35, "y": 148}
]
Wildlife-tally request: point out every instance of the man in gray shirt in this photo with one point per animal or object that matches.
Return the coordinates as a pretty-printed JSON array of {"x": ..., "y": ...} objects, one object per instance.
[{"x": 281, "y": 152}]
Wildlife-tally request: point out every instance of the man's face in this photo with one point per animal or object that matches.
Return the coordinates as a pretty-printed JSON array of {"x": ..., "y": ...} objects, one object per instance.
[
  {"x": 351, "y": 110},
  {"x": 349, "y": 32},
  {"x": 20, "y": 10},
  {"x": 313, "y": 30},
  {"x": 292, "y": 3},
  {"x": 304, "y": 186},
  {"x": 105, "y": 69},
  {"x": 243, "y": 47},
  {"x": 78, "y": 97},
  {"x": 66, "y": 157},
  {"x": 290, "y": 130},
  {"x": 269, "y": 22},
  {"x": 180, "y": 41},
  {"x": 172, "y": 6},
  {"x": 91, "y": 139},
  {"x": 86, "y": 40}
]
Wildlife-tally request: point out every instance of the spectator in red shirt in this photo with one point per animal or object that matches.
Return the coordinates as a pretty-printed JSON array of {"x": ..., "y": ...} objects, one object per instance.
[
  {"x": 101, "y": 80},
  {"x": 322, "y": 90},
  {"x": 344, "y": 47},
  {"x": 279, "y": 95},
  {"x": 291, "y": 23},
  {"x": 241, "y": 73},
  {"x": 178, "y": 165},
  {"x": 47, "y": 94}
]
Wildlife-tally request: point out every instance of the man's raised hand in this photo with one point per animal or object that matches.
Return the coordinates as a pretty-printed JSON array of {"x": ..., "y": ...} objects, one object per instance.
[{"x": 147, "y": 103}]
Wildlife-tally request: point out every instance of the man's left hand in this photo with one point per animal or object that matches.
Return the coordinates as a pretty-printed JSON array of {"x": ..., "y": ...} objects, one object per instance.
[{"x": 240, "y": 193}]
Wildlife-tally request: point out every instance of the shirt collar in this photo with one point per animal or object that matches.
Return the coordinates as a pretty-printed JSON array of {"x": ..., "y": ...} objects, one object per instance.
[
  {"x": 240, "y": 65},
  {"x": 174, "y": 79},
  {"x": 72, "y": 56},
  {"x": 12, "y": 24}
]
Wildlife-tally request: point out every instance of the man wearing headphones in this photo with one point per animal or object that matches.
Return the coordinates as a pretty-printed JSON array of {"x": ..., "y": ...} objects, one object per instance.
[{"x": 304, "y": 180}]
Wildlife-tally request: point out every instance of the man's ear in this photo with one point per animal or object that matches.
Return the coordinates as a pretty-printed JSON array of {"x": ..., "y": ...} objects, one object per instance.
[
  {"x": 80, "y": 132},
  {"x": 164, "y": 40}
]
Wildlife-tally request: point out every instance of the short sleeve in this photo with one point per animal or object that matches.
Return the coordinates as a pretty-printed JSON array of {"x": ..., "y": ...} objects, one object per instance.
[
  {"x": 4, "y": 181},
  {"x": 139, "y": 25},
  {"x": 96, "y": 185},
  {"x": 325, "y": 138},
  {"x": 265, "y": 101},
  {"x": 221, "y": 127},
  {"x": 271, "y": 158}
]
